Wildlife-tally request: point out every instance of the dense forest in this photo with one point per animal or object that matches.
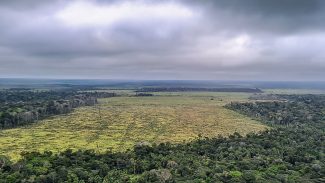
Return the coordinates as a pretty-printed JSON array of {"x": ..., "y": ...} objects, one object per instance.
[
  {"x": 288, "y": 109},
  {"x": 292, "y": 150},
  {"x": 23, "y": 106},
  {"x": 186, "y": 89}
]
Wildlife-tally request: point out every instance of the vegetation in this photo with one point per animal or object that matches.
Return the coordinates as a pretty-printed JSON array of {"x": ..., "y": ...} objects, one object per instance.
[
  {"x": 286, "y": 153},
  {"x": 302, "y": 109},
  {"x": 187, "y": 89},
  {"x": 20, "y": 106},
  {"x": 291, "y": 151},
  {"x": 144, "y": 94},
  {"x": 119, "y": 123}
]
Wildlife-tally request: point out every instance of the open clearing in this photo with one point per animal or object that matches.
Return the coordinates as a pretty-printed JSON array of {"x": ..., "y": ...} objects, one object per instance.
[{"x": 118, "y": 123}]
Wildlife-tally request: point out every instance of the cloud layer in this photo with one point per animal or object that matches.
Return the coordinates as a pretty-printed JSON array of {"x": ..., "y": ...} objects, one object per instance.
[{"x": 217, "y": 40}]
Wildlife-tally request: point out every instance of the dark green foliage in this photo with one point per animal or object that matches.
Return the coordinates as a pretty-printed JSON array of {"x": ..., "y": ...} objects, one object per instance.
[
  {"x": 187, "y": 89},
  {"x": 19, "y": 107},
  {"x": 143, "y": 94},
  {"x": 296, "y": 109},
  {"x": 286, "y": 153}
]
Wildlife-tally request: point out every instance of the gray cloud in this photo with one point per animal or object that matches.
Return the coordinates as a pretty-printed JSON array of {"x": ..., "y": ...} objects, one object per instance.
[{"x": 220, "y": 39}]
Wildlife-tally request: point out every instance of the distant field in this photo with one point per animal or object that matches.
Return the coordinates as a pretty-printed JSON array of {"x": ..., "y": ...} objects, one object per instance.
[
  {"x": 118, "y": 123},
  {"x": 294, "y": 91}
]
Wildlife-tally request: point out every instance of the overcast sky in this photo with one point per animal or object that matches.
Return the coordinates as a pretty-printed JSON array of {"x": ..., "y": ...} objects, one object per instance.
[{"x": 202, "y": 39}]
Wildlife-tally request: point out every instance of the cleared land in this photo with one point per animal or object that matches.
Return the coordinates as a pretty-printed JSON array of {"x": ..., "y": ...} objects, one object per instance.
[{"x": 118, "y": 123}]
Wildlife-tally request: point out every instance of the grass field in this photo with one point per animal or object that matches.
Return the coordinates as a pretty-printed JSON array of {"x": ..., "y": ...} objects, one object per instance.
[
  {"x": 118, "y": 123},
  {"x": 294, "y": 91}
]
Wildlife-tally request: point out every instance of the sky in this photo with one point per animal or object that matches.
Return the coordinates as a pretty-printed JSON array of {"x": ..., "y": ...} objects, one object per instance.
[{"x": 163, "y": 39}]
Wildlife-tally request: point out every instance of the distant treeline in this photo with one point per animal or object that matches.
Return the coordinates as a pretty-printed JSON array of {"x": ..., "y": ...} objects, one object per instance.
[
  {"x": 19, "y": 107},
  {"x": 289, "y": 109},
  {"x": 288, "y": 152},
  {"x": 143, "y": 94},
  {"x": 247, "y": 90},
  {"x": 266, "y": 97}
]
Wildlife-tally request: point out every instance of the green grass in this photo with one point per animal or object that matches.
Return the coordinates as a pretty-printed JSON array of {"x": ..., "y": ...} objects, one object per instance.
[{"x": 118, "y": 123}]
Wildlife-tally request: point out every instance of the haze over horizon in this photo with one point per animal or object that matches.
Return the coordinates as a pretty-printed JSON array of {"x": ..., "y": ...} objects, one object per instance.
[{"x": 163, "y": 40}]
